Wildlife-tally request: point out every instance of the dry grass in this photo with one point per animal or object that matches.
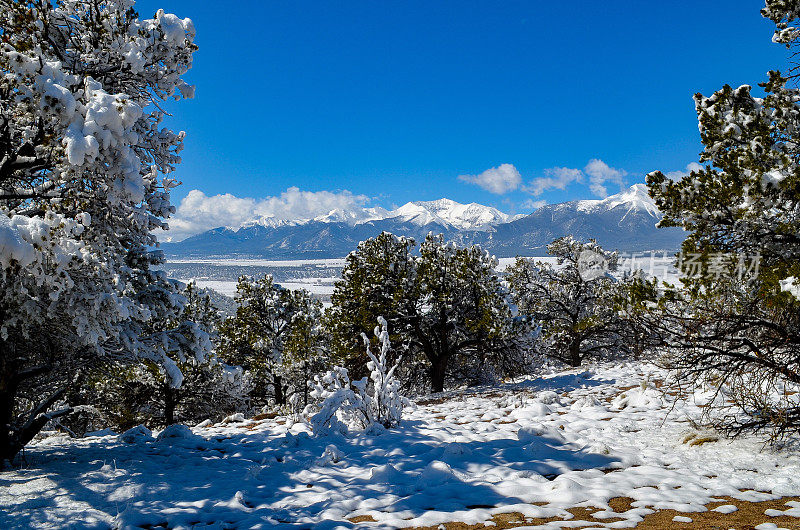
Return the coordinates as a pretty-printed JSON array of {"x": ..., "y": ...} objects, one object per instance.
[
  {"x": 362, "y": 519},
  {"x": 695, "y": 439},
  {"x": 747, "y": 517},
  {"x": 703, "y": 440},
  {"x": 432, "y": 401}
]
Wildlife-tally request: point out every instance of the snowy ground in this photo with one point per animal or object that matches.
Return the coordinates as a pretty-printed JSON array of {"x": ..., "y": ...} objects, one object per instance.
[
  {"x": 223, "y": 262},
  {"x": 564, "y": 450},
  {"x": 319, "y": 276},
  {"x": 323, "y": 287},
  {"x": 315, "y": 276}
]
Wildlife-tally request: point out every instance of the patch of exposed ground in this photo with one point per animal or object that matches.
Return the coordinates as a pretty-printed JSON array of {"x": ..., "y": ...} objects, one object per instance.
[{"x": 747, "y": 516}]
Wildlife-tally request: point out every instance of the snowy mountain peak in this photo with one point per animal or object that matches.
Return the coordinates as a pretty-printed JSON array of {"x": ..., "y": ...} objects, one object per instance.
[
  {"x": 635, "y": 199},
  {"x": 470, "y": 216},
  {"x": 446, "y": 213},
  {"x": 267, "y": 222},
  {"x": 449, "y": 213},
  {"x": 353, "y": 217},
  {"x": 415, "y": 214},
  {"x": 438, "y": 205}
]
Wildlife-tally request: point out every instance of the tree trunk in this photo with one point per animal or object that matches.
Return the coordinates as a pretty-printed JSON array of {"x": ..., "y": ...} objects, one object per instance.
[
  {"x": 638, "y": 346},
  {"x": 307, "y": 377},
  {"x": 8, "y": 391},
  {"x": 438, "y": 369},
  {"x": 169, "y": 404},
  {"x": 13, "y": 438},
  {"x": 575, "y": 353},
  {"x": 277, "y": 383},
  {"x": 7, "y": 450}
]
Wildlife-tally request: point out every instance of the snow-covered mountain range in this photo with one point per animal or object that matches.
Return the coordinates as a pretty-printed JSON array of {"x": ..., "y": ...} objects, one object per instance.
[
  {"x": 443, "y": 212},
  {"x": 625, "y": 221}
]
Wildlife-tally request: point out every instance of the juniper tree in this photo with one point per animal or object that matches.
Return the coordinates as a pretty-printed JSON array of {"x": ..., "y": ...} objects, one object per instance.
[
  {"x": 270, "y": 336},
  {"x": 379, "y": 279},
  {"x": 741, "y": 213},
  {"x": 306, "y": 353},
  {"x": 84, "y": 159},
  {"x": 573, "y": 301},
  {"x": 446, "y": 307},
  {"x": 462, "y": 315}
]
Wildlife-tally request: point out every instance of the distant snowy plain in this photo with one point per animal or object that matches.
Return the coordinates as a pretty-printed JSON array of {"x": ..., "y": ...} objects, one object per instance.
[
  {"x": 554, "y": 451},
  {"x": 319, "y": 276},
  {"x": 315, "y": 276}
]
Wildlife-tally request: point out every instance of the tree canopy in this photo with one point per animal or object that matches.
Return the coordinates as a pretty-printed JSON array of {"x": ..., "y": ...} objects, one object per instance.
[{"x": 84, "y": 180}]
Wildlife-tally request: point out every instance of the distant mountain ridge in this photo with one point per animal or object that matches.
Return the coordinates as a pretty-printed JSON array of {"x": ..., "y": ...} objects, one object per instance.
[
  {"x": 625, "y": 222},
  {"x": 445, "y": 212}
]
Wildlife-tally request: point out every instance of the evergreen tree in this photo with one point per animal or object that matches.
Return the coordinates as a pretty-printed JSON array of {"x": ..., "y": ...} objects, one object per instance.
[
  {"x": 736, "y": 326},
  {"x": 305, "y": 355},
  {"x": 83, "y": 164},
  {"x": 573, "y": 301},
  {"x": 635, "y": 299},
  {"x": 744, "y": 203},
  {"x": 445, "y": 307},
  {"x": 462, "y": 316},
  {"x": 786, "y": 15},
  {"x": 129, "y": 394},
  {"x": 273, "y": 337},
  {"x": 379, "y": 279}
]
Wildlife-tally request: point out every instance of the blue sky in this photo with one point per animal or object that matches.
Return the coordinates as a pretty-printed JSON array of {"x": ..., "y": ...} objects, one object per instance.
[{"x": 393, "y": 101}]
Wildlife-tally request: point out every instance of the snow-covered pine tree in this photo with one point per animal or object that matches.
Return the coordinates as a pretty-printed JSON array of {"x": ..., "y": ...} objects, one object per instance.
[
  {"x": 129, "y": 394},
  {"x": 786, "y": 16},
  {"x": 378, "y": 279},
  {"x": 83, "y": 159},
  {"x": 306, "y": 353},
  {"x": 463, "y": 324},
  {"x": 271, "y": 336},
  {"x": 736, "y": 325},
  {"x": 446, "y": 309},
  {"x": 573, "y": 301}
]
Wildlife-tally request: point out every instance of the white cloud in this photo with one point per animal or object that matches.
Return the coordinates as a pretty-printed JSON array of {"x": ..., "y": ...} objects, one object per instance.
[
  {"x": 599, "y": 173},
  {"x": 199, "y": 212},
  {"x": 555, "y": 178},
  {"x": 530, "y": 204},
  {"x": 499, "y": 180},
  {"x": 677, "y": 175}
]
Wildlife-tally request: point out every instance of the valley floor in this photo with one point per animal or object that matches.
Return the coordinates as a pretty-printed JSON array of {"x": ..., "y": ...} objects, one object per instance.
[{"x": 607, "y": 446}]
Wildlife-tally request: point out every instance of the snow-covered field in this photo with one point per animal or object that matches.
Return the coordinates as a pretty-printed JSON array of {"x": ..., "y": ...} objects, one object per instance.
[
  {"x": 318, "y": 276},
  {"x": 660, "y": 265},
  {"x": 600, "y": 447},
  {"x": 319, "y": 286},
  {"x": 222, "y": 262},
  {"x": 315, "y": 276}
]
